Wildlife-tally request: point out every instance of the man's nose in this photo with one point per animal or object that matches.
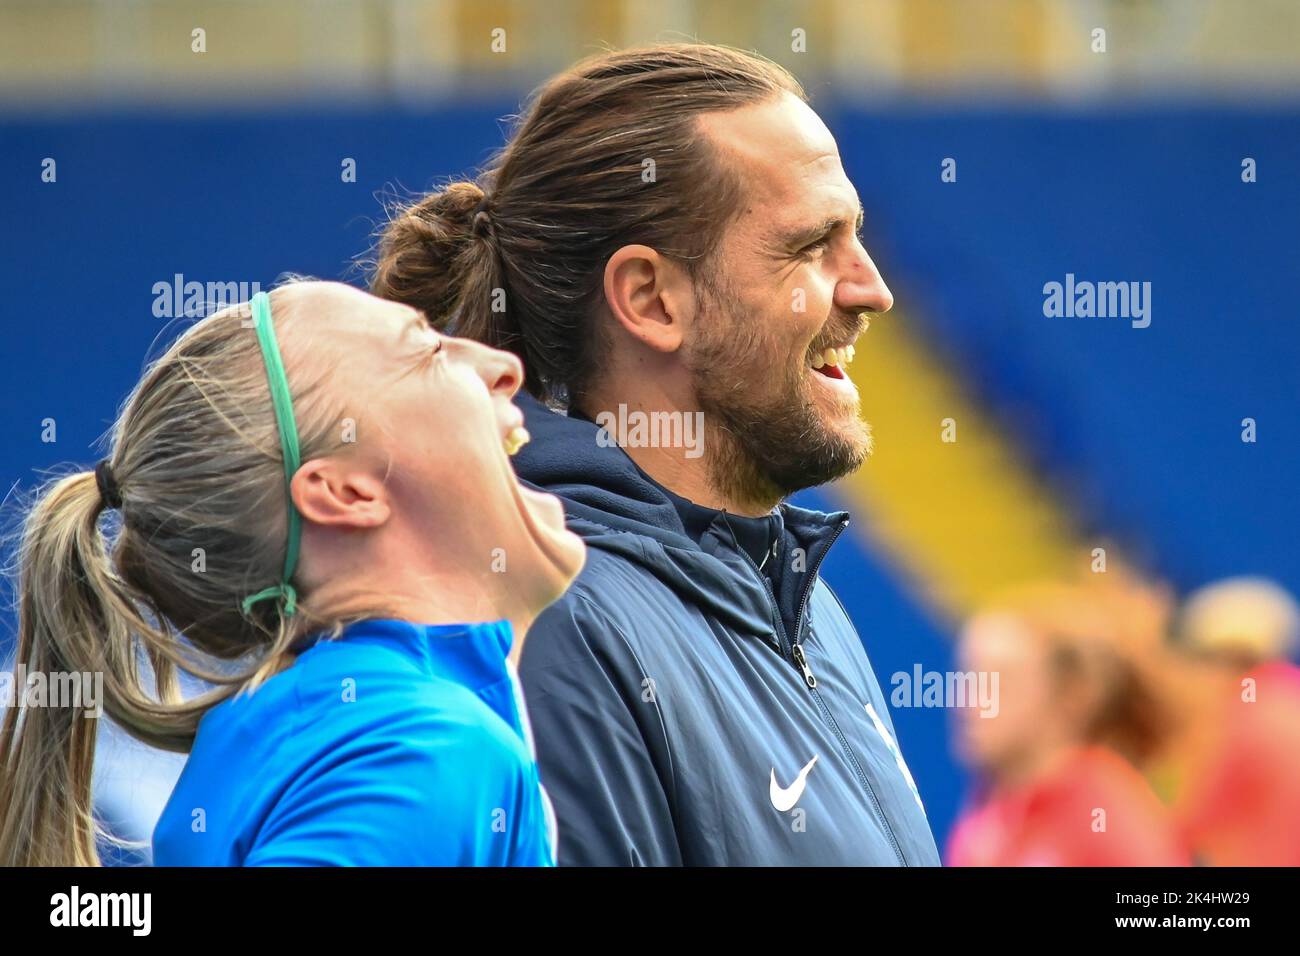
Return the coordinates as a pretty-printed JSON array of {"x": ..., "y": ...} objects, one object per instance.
[{"x": 862, "y": 288}]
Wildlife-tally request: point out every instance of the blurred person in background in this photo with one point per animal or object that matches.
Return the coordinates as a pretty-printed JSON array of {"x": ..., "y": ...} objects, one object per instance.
[
  {"x": 1234, "y": 773},
  {"x": 1076, "y": 710}
]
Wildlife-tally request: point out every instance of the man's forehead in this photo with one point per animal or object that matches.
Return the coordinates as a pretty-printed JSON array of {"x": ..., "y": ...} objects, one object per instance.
[
  {"x": 788, "y": 161},
  {"x": 779, "y": 140}
]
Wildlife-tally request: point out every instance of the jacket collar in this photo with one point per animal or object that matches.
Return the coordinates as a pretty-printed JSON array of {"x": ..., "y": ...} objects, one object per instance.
[
  {"x": 616, "y": 507},
  {"x": 603, "y": 485}
]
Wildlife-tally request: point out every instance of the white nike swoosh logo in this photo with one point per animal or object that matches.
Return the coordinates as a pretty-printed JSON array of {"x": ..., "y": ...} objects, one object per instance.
[{"x": 784, "y": 798}]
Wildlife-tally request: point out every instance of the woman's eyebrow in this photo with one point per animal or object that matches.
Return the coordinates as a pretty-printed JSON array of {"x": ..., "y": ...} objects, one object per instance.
[{"x": 419, "y": 323}]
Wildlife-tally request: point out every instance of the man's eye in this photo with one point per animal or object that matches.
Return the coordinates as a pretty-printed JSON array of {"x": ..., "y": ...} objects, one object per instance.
[{"x": 813, "y": 249}]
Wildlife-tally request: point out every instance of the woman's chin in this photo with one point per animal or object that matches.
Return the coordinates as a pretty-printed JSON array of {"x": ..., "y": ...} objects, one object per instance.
[{"x": 563, "y": 551}]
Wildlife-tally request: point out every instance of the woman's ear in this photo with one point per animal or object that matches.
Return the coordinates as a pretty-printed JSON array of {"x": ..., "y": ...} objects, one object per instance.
[
  {"x": 649, "y": 296},
  {"x": 328, "y": 491}
]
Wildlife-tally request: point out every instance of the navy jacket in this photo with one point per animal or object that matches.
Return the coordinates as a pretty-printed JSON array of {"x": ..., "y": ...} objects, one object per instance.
[{"x": 685, "y": 709}]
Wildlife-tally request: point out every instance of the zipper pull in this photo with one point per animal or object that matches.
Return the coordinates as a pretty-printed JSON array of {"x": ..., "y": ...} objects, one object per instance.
[{"x": 802, "y": 661}]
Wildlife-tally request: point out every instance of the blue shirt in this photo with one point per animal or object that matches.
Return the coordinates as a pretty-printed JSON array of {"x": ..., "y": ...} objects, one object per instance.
[{"x": 396, "y": 744}]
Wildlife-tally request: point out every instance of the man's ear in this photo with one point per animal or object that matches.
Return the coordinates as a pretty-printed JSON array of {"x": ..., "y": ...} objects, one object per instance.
[
  {"x": 327, "y": 491},
  {"x": 650, "y": 296}
]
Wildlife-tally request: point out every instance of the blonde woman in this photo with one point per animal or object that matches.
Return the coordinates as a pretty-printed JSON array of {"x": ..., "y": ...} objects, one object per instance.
[{"x": 319, "y": 517}]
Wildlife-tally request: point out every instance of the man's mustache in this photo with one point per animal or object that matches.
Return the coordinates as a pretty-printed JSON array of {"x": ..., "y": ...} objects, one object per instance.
[{"x": 839, "y": 331}]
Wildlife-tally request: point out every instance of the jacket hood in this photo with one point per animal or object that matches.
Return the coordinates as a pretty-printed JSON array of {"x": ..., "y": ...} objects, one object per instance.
[
  {"x": 615, "y": 506},
  {"x": 599, "y": 485}
]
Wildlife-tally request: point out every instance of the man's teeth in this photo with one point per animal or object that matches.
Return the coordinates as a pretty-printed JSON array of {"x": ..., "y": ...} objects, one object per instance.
[
  {"x": 516, "y": 440},
  {"x": 841, "y": 357}
]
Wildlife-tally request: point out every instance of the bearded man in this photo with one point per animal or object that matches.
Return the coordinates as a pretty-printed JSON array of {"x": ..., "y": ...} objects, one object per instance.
[{"x": 670, "y": 232}]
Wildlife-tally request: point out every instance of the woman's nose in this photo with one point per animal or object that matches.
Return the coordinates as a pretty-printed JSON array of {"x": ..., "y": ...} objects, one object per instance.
[{"x": 502, "y": 371}]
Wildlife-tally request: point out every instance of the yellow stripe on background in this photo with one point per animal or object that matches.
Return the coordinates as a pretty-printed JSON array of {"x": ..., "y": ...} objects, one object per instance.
[{"x": 965, "y": 519}]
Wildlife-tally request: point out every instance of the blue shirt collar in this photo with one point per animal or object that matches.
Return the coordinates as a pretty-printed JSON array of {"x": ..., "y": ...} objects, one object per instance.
[{"x": 473, "y": 655}]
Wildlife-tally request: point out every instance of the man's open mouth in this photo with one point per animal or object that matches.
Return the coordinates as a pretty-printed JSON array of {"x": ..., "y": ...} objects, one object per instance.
[{"x": 832, "y": 362}]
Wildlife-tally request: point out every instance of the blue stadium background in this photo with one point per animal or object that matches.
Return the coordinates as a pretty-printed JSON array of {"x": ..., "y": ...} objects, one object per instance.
[{"x": 1140, "y": 428}]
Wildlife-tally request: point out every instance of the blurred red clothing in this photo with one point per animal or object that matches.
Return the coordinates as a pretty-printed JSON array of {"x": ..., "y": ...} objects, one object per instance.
[
  {"x": 1051, "y": 821},
  {"x": 1243, "y": 807}
]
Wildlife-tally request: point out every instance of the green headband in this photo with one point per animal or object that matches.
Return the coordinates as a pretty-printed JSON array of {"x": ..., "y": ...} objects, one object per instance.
[{"x": 283, "y": 403}]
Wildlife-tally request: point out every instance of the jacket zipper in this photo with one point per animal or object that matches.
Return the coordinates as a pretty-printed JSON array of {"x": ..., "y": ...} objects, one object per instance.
[{"x": 800, "y": 660}]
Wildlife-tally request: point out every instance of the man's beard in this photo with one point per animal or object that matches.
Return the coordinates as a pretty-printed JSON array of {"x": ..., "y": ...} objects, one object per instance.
[{"x": 767, "y": 442}]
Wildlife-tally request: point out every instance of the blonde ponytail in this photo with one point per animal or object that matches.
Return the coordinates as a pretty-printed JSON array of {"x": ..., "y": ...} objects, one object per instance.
[{"x": 197, "y": 460}]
